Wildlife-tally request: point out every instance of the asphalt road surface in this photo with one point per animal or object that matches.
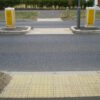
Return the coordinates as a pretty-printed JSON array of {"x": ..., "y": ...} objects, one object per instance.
[
  {"x": 47, "y": 24},
  {"x": 50, "y": 53}
]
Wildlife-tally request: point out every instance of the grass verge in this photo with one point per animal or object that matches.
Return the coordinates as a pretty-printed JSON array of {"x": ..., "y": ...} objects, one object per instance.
[
  {"x": 22, "y": 15},
  {"x": 72, "y": 14}
]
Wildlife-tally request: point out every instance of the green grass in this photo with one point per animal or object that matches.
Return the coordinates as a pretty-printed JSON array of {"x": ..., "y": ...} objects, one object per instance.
[
  {"x": 2, "y": 17},
  {"x": 22, "y": 15},
  {"x": 73, "y": 14},
  {"x": 98, "y": 14}
]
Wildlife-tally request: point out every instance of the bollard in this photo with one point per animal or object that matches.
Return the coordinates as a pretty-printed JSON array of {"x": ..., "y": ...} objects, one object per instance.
[
  {"x": 10, "y": 17},
  {"x": 90, "y": 16},
  {"x": 68, "y": 12}
]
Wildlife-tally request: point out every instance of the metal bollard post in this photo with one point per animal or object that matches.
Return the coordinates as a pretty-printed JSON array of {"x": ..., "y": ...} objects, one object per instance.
[{"x": 78, "y": 14}]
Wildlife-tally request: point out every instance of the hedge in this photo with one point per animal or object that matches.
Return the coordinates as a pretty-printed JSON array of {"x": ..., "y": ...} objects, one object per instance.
[{"x": 42, "y": 4}]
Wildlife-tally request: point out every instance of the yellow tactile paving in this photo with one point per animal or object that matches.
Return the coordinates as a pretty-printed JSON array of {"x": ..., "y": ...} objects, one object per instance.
[{"x": 53, "y": 84}]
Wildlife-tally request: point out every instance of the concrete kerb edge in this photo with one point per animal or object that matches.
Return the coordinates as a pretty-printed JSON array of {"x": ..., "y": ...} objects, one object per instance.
[{"x": 78, "y": 31}]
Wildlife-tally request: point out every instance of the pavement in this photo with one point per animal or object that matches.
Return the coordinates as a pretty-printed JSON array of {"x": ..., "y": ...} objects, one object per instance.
[{"x": 53, "y": 85}]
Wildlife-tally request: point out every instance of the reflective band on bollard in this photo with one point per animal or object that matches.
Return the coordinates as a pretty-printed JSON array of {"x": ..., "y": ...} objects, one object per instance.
[
  {"x": 10, "y": 17},
  {"x": 90, "y": 16}
]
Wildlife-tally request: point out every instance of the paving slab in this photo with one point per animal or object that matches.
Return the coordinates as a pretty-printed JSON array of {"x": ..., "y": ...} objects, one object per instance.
[
  {"x": 53, "y": 85},
  {"x": 50, "y": 31}
]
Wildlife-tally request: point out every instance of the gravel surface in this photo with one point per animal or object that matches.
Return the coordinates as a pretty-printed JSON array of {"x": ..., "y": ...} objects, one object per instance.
[{"x": 4, "y": 80}]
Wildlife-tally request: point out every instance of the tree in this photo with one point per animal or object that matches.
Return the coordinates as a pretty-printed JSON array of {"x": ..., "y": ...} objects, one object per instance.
[
  {"x": 69, "y": 3},
  {"x": 55, "y": 3},
  {"x": 63, "y": 3},
  {"x": 74, "y": 3},
  {"x": 45, "y": 3}
]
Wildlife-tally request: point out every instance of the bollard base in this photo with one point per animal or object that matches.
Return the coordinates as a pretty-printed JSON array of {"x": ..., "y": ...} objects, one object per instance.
[
  {"x": 17, "y": 30},
  {"x": 85, "y": 30}
]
